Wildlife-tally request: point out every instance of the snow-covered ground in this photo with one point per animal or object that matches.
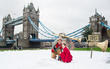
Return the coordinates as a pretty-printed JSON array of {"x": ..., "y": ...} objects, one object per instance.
[{"x": 41, "y": 59}]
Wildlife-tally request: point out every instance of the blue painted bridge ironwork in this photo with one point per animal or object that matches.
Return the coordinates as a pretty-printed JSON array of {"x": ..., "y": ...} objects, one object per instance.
[{"x": 41, "y": 40}]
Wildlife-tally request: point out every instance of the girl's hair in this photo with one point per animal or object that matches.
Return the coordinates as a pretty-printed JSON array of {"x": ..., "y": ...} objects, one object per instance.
[{"x": 64, "y": 42}]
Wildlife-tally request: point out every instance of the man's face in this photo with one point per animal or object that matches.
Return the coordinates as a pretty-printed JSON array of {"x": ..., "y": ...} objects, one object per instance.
[{"x": 59, "y": 41}]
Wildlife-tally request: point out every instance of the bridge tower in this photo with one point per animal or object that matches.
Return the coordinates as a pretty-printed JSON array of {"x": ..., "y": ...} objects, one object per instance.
[
  {"x": 96, "y": 27},
  {"x": 28, "y": 30},
  {"x": 8, "y": 30}
]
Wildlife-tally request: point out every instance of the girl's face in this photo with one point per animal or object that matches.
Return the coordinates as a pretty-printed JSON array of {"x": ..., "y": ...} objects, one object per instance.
[
  {"x": 64, "y": 41},
  {"x": 63, "y": 45}
]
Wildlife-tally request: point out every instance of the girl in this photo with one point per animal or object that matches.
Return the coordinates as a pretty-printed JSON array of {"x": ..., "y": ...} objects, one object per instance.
[{"x": 65, "y": 55}]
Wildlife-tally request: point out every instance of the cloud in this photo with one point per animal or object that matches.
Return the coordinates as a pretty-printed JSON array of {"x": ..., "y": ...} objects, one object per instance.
[{"x": 59, "y": 15}]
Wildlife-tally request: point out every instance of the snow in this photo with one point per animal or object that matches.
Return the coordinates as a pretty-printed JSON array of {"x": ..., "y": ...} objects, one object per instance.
[{"x": 41, "y": 59}]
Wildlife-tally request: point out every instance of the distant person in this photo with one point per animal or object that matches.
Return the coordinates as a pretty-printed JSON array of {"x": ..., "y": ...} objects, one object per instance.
[{"x": 56, "y": 48}]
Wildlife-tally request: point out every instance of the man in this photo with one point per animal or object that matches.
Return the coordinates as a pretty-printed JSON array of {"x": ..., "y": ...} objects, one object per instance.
[{"x": 56, "y": 48}]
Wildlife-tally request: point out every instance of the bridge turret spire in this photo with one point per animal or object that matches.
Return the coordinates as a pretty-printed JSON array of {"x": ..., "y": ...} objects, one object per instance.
[
  {"x": 96, "y": 13},
  {"x": 38, "y": 10},
  {"x": 95, "y": 10}
]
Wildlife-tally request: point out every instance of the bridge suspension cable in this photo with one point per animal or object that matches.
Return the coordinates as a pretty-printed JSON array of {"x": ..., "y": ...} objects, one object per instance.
[
  {"x": 76, "y": 33},
  {"x": 47, "y": 30},
  {"x": 1, "y": 30},
  {"x": 36, "y": 28},
  {"x": 79, "y": 31},
  {"x": 108, "y": 27},
  {"x": 41, "y": 29}
]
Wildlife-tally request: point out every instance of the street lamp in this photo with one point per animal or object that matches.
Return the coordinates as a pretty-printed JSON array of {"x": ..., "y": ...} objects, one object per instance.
[{"x": 17, "y": 37}]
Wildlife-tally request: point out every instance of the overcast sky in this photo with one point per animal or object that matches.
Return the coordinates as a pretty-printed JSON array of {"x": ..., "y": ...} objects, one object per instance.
[{"x": 58, "y": 15}]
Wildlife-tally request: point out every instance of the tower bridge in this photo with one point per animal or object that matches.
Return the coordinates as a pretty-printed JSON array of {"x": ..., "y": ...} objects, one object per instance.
[{"x": 31, "y": 22}]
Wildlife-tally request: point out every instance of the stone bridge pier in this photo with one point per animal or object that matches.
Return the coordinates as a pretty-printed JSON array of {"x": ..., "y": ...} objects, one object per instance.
[
  {"x": 97, "y": 28},
  {"x": 28, "y": 31}
]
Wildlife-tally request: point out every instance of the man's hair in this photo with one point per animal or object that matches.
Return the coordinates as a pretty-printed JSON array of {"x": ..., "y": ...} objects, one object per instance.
[{"x": 64, "y": 44}]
